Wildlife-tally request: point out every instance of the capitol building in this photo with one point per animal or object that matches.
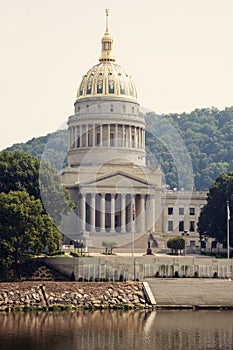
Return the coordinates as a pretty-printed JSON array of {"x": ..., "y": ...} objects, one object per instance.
[{"x": 117, "y": 196}]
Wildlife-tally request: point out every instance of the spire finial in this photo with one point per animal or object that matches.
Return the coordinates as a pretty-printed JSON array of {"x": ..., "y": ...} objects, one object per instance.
[
  {"x": 107, "y": 41},
  {"x": 107, "y": 14}
]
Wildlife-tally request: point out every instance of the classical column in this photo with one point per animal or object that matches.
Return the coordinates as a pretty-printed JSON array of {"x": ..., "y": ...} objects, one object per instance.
[
  {"x": 112, "y": 212},
  {"x": 108, "y": 141},
  {"x": 83, "y": 211},
  {"x": 135, "y": 137},
  {"x": 93, "y": 135},
  {"x": 152, "y": 212},
  {"x": 92, "y": 212},
  {"x": 130, "y": 136},
  {"x": 81, "y": 135},
  {"x": 86, "y": 136},
  {"x": 116, "y": 135},
  {"x": 140, "y": 137},
  {"x": 101, "y": 135},
  {"x": 72, "y": 136},
  {"x": 75, "y": 137},
  {"x": 143, "y": 138},
  {"x": 123, "y": 135},
  {"x": 69, "y": 138},
  {"x": 142, "y": 213},
  {"x": 78, "y": 136},
  {"x": 102, "y": 212},
  {"x": 123, "y": 216}
]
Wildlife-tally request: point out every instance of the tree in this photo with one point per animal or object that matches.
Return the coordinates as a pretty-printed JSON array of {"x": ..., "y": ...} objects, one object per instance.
[
  {"x": 109, "y": 246},
  {"x": 55, "y": 198},
  {"x": 213, "y": 218},
  {"x": 176, "y": 244},
  {"x": 24, "y": 227},
  {"x": 19, "y": 171}
]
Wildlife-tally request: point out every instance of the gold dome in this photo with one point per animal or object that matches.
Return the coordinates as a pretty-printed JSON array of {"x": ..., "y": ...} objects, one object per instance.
[{"x": 107, "y": 78}]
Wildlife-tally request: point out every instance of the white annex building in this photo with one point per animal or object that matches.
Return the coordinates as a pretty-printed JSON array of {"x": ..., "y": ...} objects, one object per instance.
[{"x": 117, "y": 196}]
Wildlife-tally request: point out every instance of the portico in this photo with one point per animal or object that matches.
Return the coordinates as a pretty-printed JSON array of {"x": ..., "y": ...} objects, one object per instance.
[{"x": 103, "y": 208}]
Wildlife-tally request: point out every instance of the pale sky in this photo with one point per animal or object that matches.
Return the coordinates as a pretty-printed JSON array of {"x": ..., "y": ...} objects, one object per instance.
[{"x": 179, "y": 52}]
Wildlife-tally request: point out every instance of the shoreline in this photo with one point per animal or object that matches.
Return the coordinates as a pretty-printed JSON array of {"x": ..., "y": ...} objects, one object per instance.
[
  {"x": 54, "y": 296},
  {"x": 71, "y": 296}
]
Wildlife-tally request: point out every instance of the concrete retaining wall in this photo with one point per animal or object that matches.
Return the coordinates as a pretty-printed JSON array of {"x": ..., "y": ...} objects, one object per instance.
[{"x": 117, "y": 268}]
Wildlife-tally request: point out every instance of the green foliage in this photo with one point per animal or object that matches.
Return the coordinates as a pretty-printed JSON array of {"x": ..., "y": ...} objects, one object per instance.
[
  {"x": 109, "y": 246},
  {"x": 56, "y": 253},
  {"x": 31, "y": 196},
  {"x": 55, "y": 198},
  {"x": 79, "y": 255},
  {"x": 213, "y": 217},
  {"x": 53, "y": 146},
  {"x": 24, "y": 227},
  {"x": 207, "y": 134},
  {"x": 176, "y": 244},
  {"x": 19, "y": 171}
]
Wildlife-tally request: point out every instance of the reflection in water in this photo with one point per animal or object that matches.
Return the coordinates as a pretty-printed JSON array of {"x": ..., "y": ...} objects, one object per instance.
[{"x": 137, "y": 330}]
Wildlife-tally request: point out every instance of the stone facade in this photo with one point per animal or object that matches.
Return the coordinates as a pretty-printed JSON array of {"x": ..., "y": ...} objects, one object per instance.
[{"x": 117, "y": 195}]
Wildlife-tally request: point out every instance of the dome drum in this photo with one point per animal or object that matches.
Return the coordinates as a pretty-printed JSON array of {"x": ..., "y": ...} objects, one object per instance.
[
  {"x": 107, "y": 79},
  {"x": 106, "y": 106}
]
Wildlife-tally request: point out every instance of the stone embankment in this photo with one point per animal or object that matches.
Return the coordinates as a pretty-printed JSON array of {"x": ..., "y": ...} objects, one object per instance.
[{"x": 72, "y": 295}]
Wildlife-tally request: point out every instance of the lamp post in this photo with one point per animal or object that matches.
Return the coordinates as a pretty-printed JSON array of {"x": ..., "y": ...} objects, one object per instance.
[
  {"x": 133, "y": 231},
  {"x": 81, "y": 247},
  {"x": 228, "y": 230},
  {"x": 185, "y": 234}
]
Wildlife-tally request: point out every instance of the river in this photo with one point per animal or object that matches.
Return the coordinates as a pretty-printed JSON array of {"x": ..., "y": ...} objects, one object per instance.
[{"x": 117, "y": 330}]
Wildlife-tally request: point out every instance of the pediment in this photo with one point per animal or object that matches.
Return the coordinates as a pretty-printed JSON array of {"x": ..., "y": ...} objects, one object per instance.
[{"x": 119, "y": 180}]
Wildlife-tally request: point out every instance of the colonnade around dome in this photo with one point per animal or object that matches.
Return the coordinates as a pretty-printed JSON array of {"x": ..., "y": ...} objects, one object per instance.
[
  {"x": 107, "y": 138},
  {"x": 111, "y": 135}
]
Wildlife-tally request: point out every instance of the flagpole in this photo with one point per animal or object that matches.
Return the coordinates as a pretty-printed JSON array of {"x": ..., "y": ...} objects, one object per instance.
[
  {"x": 228, "y": 231},
  {"x": 133, "y": 231}
]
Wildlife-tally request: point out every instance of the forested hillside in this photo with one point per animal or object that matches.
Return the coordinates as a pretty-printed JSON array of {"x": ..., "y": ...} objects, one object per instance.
[
  {"x": 207, "y": 134},
  {"x": 52, "y": 146}
]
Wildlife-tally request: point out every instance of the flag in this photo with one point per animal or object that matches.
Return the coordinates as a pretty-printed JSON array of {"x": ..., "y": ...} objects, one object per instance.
[
  {"x": 133, "y": 212},
  {"x": 228, "y": 212}
]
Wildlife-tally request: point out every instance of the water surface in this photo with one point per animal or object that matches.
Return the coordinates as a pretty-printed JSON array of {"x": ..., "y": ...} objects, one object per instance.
[{"x": 118, "y": 330}]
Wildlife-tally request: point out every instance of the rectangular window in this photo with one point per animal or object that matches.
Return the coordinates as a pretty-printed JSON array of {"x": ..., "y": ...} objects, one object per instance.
[
  {"x": 191, "y": 211},
  {"x": 181, "y": 211},
  {"x": 170, "y": 226},
  {"x": 191, "y": 226},
  {"x": 192, "y": 244},
  {"x": 181, "y": 226},
  {"x": 170, "y": 211}
]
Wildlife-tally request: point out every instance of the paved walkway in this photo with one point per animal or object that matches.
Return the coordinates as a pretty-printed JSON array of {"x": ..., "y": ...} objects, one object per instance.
[{"x": 192, "y": 292}]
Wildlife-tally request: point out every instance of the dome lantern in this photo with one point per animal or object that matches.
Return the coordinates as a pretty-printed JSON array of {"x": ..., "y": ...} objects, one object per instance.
[
  {"x": 107, "y": 79},
  {"x": 107, "y": 43}
]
